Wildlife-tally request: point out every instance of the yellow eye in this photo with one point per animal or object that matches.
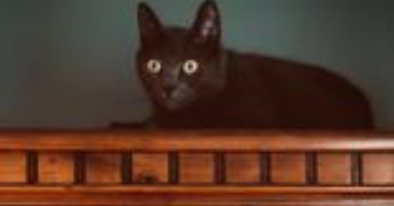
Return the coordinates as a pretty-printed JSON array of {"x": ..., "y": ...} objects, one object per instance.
[
  {"x": 154, "y": 66},
  {"x": 190, "y": 67}
]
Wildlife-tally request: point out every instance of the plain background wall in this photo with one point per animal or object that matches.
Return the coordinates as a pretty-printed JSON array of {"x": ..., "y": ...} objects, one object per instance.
[{"x": 68, "y": 63}]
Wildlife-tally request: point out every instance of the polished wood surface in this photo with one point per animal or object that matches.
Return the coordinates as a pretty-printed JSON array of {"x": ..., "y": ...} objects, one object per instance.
[
  {"x": 238, "y": 140},
  {"x": 201, "y": 168}
]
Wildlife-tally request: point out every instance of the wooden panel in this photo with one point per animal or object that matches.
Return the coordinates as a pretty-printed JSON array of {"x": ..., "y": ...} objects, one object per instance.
[
  {"x": 151, "y": 167},
  {"x": 243, "y": 168},
  {"x": 160, "y": 141},
  {"x": 206, "y": 196},
  {"x": 196, "y": 168},
  {"x": 103, "y": 168},
  {"x": 56, "y": 168},
  {"x": 378, "y": 169},
  {"x": 288, "y": 168},
  {"x": 334, "y": 169},
  {"x": 12, "y": 167}
]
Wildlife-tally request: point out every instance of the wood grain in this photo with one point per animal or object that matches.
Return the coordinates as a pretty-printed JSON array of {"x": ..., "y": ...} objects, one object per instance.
[
  {"x": 150, "y": 168},
  {"x": 242, "y": 168},
  {"x": 289, "y": 154},
  {"x": 334, "y": 169},
  {"x": 103, "y": 168},
  {"x": 160, "y": 141},
  {"x": 56, "y": 168},
  {"x": 12, "y": 167},
  {"x": 288, "y": 168},
  {"x": 196, "y": 168},
  {"x": 378, "y": 169}
]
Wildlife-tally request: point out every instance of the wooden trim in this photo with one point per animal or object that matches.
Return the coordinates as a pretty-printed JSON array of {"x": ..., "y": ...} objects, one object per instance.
[
  {"x": 111, "y": 199},
  {"x": 238, "y": 140},
  {"x": 223, "y": 193},
  {"x": 198, "y": 190},
  {"x": 195, "y": 196}
]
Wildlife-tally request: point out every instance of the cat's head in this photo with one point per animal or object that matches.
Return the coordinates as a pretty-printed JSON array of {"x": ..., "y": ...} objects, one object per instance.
[{"x": 179, "y": 66}]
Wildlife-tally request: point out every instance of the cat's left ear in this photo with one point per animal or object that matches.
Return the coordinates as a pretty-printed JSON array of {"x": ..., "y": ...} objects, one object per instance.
[
  {"x": 150, "y": 27},
  {"x": 207, "y": 26}
]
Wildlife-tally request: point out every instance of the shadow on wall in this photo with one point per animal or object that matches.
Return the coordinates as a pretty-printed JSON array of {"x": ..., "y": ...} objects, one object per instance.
[{"x": 66, "y": 63}]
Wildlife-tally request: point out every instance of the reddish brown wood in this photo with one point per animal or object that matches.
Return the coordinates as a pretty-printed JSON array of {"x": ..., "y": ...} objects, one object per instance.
[
  {"x": 12, "y": 167},
  {"x": 198, "y": 189},
  {"x": 288, "y": 169},
  {"x": 196, "y": 168},
  {"x": 243, "y": 168},
  {"x": 334, "y": 169},
  {"x": 379, "y": 168},
  {"x": 289, "y": 166},
  {"x": 103, "y": 168},
  {"x": 154, "y": 199},
  {"x": 55, "y": 168},
  {"x": 150, "y": 168},
  {"x": 238, "y": 140}
]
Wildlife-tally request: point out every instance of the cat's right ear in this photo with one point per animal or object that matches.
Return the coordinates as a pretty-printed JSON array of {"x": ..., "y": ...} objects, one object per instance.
[
  {"x": 150, "y": 27},
  {"x": 206, "y": 27}
]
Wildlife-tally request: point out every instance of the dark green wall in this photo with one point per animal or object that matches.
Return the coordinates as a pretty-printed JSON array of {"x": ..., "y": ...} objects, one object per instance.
[{"x": 67, "y": 63}]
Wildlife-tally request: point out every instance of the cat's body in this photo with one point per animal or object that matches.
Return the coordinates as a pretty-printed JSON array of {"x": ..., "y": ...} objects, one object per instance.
[
  {"x": 264, "y": 92},
  {"x": 193, "y": 82}
]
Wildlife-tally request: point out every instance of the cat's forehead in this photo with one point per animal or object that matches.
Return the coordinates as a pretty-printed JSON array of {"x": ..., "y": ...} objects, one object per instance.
[
  {"x": 176, "y": 41},
  {"x": 176, "y": 34},
  {"x": 175, "y": 38}
]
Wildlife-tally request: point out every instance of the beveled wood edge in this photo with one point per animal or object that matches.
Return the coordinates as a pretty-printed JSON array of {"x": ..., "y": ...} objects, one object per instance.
[
  {"x": 196, "y": 196},
  {"x": 182, "y": 200},
  {"x": 203, "y": 190},
  {"x": 228, "y": 140}
]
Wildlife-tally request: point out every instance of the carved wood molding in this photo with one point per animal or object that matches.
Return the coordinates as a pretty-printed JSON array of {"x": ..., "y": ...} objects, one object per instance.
[{"x": 201, "y": 168}]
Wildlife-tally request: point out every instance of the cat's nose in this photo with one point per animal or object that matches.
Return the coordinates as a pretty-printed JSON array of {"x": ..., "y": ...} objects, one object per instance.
[{"x": 168, "y": 90}]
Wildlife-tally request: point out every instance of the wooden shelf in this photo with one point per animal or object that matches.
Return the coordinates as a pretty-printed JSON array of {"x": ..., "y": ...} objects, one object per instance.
[
  {"x": 196, "y": 168},
  {"x": 238, "y": 140}
]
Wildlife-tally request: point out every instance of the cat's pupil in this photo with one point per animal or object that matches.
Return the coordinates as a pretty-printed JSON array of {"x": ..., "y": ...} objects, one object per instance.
[
  {"x": 154, "y": 66},
  {"x": 190, "y": 67}
]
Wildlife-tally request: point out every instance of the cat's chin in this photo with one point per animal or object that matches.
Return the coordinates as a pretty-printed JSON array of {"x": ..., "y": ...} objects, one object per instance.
[
  {"x": 174, "y": 106},
  {"x": 175, "y": 102}
]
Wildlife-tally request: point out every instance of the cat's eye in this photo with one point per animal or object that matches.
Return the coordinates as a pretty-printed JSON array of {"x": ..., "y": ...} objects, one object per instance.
[
  {"x": 190, "y": 67},
  {"x": 154, "y": 66}
]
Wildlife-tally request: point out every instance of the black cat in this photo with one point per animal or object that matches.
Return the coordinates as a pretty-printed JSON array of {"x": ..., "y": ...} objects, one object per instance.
[{"x": 193, "y": 82}]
